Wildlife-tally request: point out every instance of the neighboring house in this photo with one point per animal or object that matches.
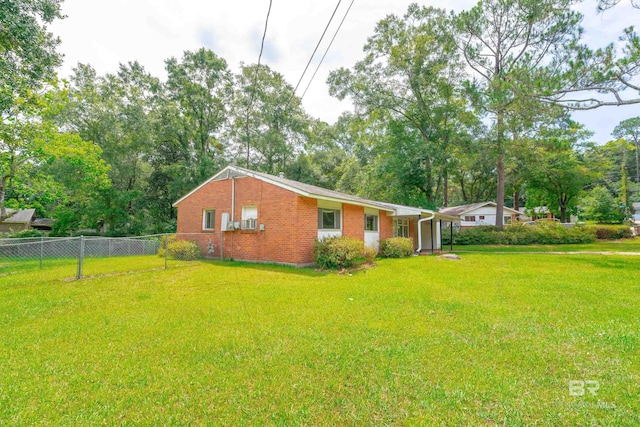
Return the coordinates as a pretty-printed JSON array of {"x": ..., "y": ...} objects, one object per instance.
[
  {"x": 483, "y": 213},
  {"x": 259, "y": 217},
  {"x": 541, "y": 213},
  {"x": 17, "y": 220}
]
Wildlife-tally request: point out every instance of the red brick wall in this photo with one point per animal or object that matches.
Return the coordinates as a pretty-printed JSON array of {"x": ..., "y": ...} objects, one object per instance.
[
  {"x": 306, "y": 229},
  {"x": 353, "y": 221},
  {"x": 290, "y": 221},
  {"x": 386, "y": 226}
]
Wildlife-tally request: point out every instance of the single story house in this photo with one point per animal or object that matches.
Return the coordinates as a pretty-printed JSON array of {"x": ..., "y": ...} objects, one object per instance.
[
  {"x": 17, "y": 220},
  {"x": 253, "y": 216},
  {"x": 483, "y": 213},
  {"x": 541, "y": 213}
]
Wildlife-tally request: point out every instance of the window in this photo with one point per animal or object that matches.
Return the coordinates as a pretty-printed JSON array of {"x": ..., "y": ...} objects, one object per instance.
[
  {"x": 400, "y": 228},
  {"x": 507, "y": 219},
  {"x": 208, "y": 219},
  {"x": 471, "y": 218},
  {"x": 481, "y": 217},
  {"x": 328, "y": 219},
  {"x": 370, "y": 222},
  {"x": 249, "y": 217}
]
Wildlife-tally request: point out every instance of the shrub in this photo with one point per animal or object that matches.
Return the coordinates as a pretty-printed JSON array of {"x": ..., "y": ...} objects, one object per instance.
[
  {"x": 27, "y": 233},
  {"x": 369, "y": 254},
  {"x": 396, "y": 247},
  {"x": 545, "y": 233},
  {"x": 184, "y": 250},
  {"x": 337, "y": 252},
  {"x": 612, "y": 232}
]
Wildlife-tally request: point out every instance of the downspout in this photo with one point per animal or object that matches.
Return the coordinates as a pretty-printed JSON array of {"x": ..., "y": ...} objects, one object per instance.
[
  {"x": 233, "y": 211},
  {"x": 420, "y": 221}
]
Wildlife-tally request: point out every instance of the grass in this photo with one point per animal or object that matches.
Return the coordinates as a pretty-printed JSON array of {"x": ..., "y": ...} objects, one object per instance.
[
  {"x": 420, "y": 341},
  {"x": 623, "y": 245}
]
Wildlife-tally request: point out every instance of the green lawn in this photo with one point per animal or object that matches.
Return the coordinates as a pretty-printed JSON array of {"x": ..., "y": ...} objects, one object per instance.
[
  {"x": 624, "y": 245},
  {"x": 489, "y": 340}
]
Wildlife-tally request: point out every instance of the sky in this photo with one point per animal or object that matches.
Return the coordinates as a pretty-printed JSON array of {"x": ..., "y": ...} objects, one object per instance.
[{"x": 105, "y": 33}]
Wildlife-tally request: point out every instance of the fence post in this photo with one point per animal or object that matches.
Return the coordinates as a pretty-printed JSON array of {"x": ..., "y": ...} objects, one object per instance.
[
  {"x": 166, "y": 249},
  {"x": 41, "y": 249},
  {"x": 80, "y": 258}
]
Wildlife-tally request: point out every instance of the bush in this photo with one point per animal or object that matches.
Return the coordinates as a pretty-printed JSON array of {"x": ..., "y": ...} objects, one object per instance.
[
  {"x": 27, "y": 233},
  {"x": 337, "y": 252},
  {"x": 545, "y": 233},
  {"x": 369, "y": 254},
  {"x": 184, "y": 250},
  {"x": 396, "y": 247},
  {"x": 612, "y": 232}
]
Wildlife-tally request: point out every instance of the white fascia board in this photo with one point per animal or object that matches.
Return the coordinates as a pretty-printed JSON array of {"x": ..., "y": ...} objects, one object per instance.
[
  {"x": 446, "y": 217},
  {"x": 350, "y": 202},
  {"x": 276, "y": 183},
  {"x": 199, "y": 187}
]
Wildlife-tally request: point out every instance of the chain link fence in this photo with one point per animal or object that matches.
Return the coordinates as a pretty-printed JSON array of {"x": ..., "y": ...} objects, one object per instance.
[{"x": 89, "y": 255}]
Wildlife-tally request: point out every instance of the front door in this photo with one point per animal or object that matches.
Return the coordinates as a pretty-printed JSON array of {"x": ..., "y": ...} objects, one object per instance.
[{"x": 372, "y": 228}]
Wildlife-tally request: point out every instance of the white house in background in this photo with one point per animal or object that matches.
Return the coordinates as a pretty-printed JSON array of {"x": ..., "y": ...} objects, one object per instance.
[
  {"x": 483, "y": 213},
  {"x": 541, "y": 213}
]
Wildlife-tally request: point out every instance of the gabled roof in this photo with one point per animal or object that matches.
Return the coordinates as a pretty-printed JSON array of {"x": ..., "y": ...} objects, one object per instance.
[
  {"x": 314, "y": 192},
  {"x": 463, "y": 209},
  {"x": 19, "y": 216}
]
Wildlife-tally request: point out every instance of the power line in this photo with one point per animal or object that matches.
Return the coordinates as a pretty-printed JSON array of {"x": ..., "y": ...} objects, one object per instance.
[
  {"x": 313, "y": 54},
  {"x": 327, "y": 50},
  {"x": 255, "y": 78}
]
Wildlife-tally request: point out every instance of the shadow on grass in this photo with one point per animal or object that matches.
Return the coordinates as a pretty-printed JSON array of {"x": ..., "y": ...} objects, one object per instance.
[
  {"x": 608, "y": 261},
  {"x": 278, "y": 268}
]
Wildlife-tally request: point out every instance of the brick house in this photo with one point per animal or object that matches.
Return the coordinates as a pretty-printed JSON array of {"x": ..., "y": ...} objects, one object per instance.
[{"x": 254, "y": 216}]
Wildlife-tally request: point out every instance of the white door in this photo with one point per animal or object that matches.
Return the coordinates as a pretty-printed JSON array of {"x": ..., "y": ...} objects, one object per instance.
[{"x": 372, "y": 228}]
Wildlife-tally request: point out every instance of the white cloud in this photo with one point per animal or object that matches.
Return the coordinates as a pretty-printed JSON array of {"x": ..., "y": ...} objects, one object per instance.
[{"x": 105, "y": 33}]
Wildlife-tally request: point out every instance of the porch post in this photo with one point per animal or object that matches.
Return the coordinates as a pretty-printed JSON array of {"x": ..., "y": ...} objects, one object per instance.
[
  {"x": 451, "y": 241},
  {"x": 431, "y": 222},
  {"x": 440, "y": 222}
]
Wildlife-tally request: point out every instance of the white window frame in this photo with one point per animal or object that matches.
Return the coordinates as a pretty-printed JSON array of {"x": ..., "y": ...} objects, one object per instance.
[
  {"x": 507, "y": 219},
  {"x": 470, "y": 218},
  {"x": 205, "y": 214},
  {"x": 337, "y": 218},
  {"x": 376, "y": 222},
  {"x": 249, "y": 217},
  {"x": 400, "y": 227}
]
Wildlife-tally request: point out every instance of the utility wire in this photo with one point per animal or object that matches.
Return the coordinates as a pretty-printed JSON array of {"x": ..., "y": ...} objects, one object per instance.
[
  {"x": 313, "y": 54},
  {"x": 255, "y": 78},
  {"x": 326, "y": 51}
]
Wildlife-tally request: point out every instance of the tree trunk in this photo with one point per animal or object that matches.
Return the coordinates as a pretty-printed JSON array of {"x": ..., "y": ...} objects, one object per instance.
[
  {"x": 3, "y": 191},
  {"x": 500, "y": 170},
  {"x": 445, "y": 200},
  {"x": 516, "y": 200},
  {"x": 637, "y": 161},
  {"x": 500, "y": 193},
  {"x": 563, "y": 214}
]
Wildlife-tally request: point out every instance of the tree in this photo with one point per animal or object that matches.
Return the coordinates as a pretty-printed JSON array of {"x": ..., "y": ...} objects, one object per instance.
[
  {"x": 27, "y": 50},
  {"x": 411, "y": 74},
  {"x": 630, "y": 130},
  {"x": 599, "y": 205},
  {"x": 527, "y": 52},
  {"x": 268, "y": 120},
  {"x": 557, "y": 173},
  {"x": 117, "y": 112},
  {"x": 27, "y": 60},
  {"x": 200, "y": 86}
]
